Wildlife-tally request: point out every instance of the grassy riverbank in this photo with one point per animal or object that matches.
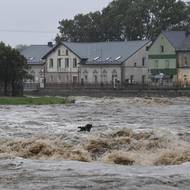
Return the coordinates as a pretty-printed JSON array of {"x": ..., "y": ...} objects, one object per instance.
[{"x": 33, "y": 100}]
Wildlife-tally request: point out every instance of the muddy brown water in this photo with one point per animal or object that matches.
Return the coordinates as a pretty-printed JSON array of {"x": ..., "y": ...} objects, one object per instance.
[{"x": 136, "y": 143}]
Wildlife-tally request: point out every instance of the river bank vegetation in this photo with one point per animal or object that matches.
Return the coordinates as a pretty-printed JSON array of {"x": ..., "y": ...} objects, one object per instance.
[{"x": 34, "y": 101}]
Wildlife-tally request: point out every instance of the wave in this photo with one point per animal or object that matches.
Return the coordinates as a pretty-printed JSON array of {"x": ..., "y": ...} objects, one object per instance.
[{"x": 124, "y": 146}]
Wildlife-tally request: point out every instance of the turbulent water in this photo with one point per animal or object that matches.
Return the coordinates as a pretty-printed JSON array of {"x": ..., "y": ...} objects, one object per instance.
[{"x": 135, "y": 143}]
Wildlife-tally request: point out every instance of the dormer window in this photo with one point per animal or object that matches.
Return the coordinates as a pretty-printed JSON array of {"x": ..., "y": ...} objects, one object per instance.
[
  {"x": 118, "y": 58},
  {"x": 108, "y": 58},
  {"x": 31, "y": 58},
  {"x": 96, "y": 58}
]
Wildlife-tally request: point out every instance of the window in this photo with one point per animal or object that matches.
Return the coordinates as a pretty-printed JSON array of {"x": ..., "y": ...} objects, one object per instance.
[
  {"x": 143, "y": 61},
  {"x": 114, "y": 75},
  {"x": 58, "y": 63},
  {"x": 95, "y": 75},
  {"x": 185, "y": 61},
  {"x": 131, "y": 79},
  {"x": 135, "y": 64},
  {"x": 167, "y": 64},
  {"x": 74, "y": 63},
  {"x": 156, "y": 64},
  {"x": 59, "y": 52},
  {"x": 143, "y": 79},
  {"x": 95, "y": 79},
  {"x": 66, "y": 62},
  {"x": 118, "y": 58},
  {"x": 162, "y": 49},
  {"x": 75, "y": 79},
  {"x": 185, "y": 77},
  {"x": 33, "y": 76},
  {"x": 51, "y": 78},
  {"x": 96, "y": 58},
  {"x": 104, "y": 75},
  {"x": 59, "y": 78},
  {"x": 51, "y": 63},
  {"x": 85, "y": 76},
  {"x": 67, "y": 52}
]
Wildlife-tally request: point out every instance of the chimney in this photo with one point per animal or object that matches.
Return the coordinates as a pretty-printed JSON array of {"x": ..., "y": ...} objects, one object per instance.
[
  {"x": 50, "y": 44},
  {"x": 187, "y": 32}
]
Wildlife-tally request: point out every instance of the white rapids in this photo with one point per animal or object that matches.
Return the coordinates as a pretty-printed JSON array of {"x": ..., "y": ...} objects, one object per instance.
[{"x": 135, "y": 143}]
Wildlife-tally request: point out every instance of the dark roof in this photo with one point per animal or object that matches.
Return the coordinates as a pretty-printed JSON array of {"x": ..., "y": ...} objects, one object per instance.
[
  {"x": 34, "y": 53},
  {"x": 185, "y": 45},
  {"x": 176, "y": 38},
  {"x": 102, "y": 52},
  {"x": 106, "y": 52}
]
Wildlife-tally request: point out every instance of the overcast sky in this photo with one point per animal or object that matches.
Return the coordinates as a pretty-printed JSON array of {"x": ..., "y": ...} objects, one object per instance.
[{"x": 36, "y": 21}]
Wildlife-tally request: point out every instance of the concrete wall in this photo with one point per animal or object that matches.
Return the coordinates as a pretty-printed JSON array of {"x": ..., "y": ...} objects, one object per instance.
[{"x": 112, "y": 92}]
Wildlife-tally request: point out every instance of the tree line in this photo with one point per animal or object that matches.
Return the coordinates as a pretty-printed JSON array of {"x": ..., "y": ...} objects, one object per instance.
[
  {"x": 126, "y": 20},
  {"x": 13, "y": 70}
]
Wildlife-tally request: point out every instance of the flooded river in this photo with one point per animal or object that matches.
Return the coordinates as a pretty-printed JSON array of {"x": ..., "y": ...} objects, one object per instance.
[{"x": 135, "y": 143}]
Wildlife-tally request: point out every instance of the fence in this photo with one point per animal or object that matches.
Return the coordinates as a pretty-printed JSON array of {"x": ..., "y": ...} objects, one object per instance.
[
  {"x": 31, "y": 86},
  {"x": 148, "y": 86}
]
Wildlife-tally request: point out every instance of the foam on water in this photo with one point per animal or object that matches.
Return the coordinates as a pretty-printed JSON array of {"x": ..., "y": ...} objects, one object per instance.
[{"x": 146, "y": 134}]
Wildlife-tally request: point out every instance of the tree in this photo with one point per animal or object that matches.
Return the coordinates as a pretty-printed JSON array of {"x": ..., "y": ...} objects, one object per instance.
[
  {"x": 126, "y": 19},
  {"x": 168, "y": 15},
  {"x": 82, "y": 28},
  {"x": 20, "y": 47},
  {"x": 13, "y": 70}
]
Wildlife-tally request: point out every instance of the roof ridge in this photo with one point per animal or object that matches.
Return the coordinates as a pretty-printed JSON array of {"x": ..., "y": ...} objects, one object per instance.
[
  {"x": 37, "y": 45},
  {"x": 106, "y": 42}
]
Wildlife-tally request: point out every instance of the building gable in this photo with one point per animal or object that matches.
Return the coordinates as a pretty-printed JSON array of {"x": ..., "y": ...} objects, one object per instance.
[
  {"x": 162, "y": 57},
  {"x": 162, "y": 48},
  {"x": 61, "y": 59}
]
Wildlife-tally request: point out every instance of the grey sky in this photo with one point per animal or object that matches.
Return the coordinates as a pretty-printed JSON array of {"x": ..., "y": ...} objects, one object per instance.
[{"x": 17, "y": 16}]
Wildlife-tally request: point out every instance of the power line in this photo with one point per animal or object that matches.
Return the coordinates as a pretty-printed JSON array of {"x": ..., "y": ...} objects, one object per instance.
[{"x": 28, "y": 31}]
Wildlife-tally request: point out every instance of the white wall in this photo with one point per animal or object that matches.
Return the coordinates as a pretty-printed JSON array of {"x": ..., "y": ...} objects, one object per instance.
[
  {"x": 105, "y": 73},
  {"x": 62, "y": 74},
  {"x": 134, "y": 66},
  {"x": 90, "y": 74},
  {"x": 35, "y": 70}
]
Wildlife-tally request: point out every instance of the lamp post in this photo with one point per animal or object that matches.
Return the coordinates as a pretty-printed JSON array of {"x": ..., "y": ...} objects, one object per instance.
[
  {"x": 78, "y": 70},
  {"x": 42, "y": 78}
]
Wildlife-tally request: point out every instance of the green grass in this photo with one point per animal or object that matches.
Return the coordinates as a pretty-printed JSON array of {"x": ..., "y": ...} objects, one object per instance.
[{"x": 33, "y": 101}]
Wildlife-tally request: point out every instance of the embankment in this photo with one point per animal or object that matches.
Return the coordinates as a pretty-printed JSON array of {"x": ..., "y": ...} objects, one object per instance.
[{"x": 112, "y": 92}]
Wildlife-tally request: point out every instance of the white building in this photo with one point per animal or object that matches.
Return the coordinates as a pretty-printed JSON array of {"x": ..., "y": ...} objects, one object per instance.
[
  {"x": 34, "y": 54},
  {"x": 62, "y": 65},
  {"x": 104, "y": 63}
]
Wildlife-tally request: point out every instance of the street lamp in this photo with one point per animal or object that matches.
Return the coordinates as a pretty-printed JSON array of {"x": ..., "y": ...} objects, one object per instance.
[{"x": 42, "y": 78}]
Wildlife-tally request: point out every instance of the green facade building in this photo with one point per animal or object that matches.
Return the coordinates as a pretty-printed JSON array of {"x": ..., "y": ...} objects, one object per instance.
[{"x": 163, "y": 57}]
